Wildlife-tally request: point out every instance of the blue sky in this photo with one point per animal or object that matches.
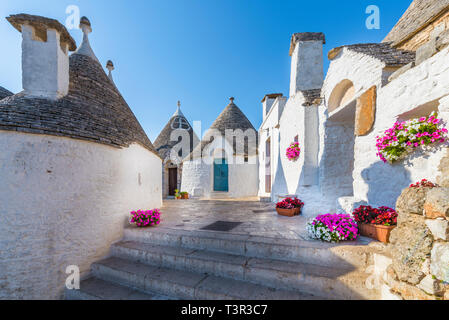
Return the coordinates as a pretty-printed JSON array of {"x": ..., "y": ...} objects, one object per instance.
[{"x": 198, "y": 51}]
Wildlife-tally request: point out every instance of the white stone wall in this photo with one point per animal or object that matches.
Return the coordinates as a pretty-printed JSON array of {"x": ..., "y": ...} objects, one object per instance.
[
  {"x": 63, "y": 202},
  {"x": 364, "y": 71},
  {"x": 45, "y": 67},
  {"x": 380, "y": 183},
  {"x": 269, "y": 129},
  {"x": 306, "y": 66},
  {"x": 198, "y": 177}
]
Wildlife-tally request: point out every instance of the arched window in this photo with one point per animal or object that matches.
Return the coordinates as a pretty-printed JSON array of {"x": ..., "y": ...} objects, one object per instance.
[{"x": 341, "y": 95}]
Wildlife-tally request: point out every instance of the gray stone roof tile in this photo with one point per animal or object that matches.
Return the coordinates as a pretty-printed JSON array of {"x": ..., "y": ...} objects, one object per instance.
[
  {"x": 381, "y": 51},
  {"x": 5, "y": 93},
  {"x": 231, "y": 118},
  {"x": 93, "y": 110},
  {"x": 418, "y": 15}
]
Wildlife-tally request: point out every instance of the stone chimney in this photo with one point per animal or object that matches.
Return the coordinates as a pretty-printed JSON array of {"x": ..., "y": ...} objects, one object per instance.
[
  {"x": 267, "y": 102},
  {"x": 306, "y": 50},
  {"x": 45, "y": 59}
]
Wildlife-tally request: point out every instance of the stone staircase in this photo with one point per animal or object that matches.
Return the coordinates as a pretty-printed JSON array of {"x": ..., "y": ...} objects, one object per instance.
[{"x": 164, "y": 263}]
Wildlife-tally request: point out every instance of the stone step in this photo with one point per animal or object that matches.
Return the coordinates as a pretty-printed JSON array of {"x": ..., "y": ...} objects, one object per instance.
[
  {"x": 287, "y": 275},
  {"x": 344, "y": 256},
  {"x": 185, "y": 284},
  {"x": 97, "y": 289}
]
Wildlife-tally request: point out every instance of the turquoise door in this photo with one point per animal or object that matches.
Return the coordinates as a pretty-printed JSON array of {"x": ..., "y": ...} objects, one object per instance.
[{"x": 221, "y": 175}]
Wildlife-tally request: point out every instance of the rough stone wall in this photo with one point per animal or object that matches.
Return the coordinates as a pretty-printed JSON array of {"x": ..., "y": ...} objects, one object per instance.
[
  {"x": 418, "y": 267},
  {"x": 63, "y": 202},
  {"x": 423, "y": 36}
]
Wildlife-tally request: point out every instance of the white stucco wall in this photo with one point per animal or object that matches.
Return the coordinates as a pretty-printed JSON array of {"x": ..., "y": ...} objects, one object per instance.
[
  {"x": 306, "y": 66},
  {"x": 63, "y": 202},
  {"x": 379, "y": 183},
  {"x": 198, "y": 178},
  {"x": 364, "y": 71},
  {"x": 270, "y": 129}
]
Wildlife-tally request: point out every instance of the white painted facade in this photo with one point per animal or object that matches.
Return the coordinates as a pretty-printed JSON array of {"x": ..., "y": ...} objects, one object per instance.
[
  {"x": 336, "y": 169},
  {"x": 64, "y": 202},
  {"x": 243, "y": 177}
]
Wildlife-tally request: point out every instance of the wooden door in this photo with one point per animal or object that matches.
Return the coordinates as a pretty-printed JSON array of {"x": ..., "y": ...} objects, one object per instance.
[
  {"x": 172, "y": 181},
  {"x": 221, "y": 175}
]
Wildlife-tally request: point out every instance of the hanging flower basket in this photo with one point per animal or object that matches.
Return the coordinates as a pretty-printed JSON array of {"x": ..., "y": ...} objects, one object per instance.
[
  {"x": 405, "y": 137},
  {"x": 293, "y": 151}
]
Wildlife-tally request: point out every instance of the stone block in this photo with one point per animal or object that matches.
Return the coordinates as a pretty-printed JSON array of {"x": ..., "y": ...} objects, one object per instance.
[
  {"x": 430, "y": 285},
  {"x": 442, "y": 40},
  {"x": 410, "y": 292},
  {"x": 425, "y": 268},
  {"x": 411, "y": 243},
  {"x": 439, "y": 264},
  {"x": 438, "y": 30},
  {"x": 439, "y": 228},
  {"x": 411, "y": 201},
  {"x": 366, "y": 112},
  {"x": 437, "y": 203},
  {"x": 426, "y": 51}
]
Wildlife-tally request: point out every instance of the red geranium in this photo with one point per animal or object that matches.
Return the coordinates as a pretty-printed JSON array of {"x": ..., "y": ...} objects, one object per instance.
[
  {"x": 383, "y": 215},
  {"x": 424, "y": 183},
  {"x": 290, "y": 203}
]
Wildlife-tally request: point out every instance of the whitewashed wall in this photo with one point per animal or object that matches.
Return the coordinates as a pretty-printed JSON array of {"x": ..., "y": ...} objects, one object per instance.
[
  {"x": 364, "y": 71},
  {"x": 198, "y": 178},
  {"x": 267, "y": 130},
  {"x": 380, "y": 183},
  {"x": 63, "y": 202},
  {"x": 337, "y": 141}
]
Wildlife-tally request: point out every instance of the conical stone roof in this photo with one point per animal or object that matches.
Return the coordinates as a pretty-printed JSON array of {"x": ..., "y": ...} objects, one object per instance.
[
  {"x": 164, "y": 144},
  {"x": 4, "y": 93},
  {"x": 93, "y": 110},
  {"x": 231, "y": 118}
]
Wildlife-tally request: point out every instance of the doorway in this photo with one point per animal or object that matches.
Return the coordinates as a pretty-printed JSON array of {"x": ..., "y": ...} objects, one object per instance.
[
  {"x": 268, "y": 166},
  {"x": 221, "y": 175},
  {"x": 172, "y": 181}
]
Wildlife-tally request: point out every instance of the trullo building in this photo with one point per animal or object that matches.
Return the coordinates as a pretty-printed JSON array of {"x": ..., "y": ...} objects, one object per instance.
[
  {"x": 224, "y": 164},
  {"x": 74, "y": 162},
  {"x": 176, "y": 140}
]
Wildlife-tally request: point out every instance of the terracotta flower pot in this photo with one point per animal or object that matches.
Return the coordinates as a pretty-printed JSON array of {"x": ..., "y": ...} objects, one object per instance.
[
  {"x": 289, "y": 212},
  {"x": 185, "y": 196},
  {"x": 376, "y": 231}
]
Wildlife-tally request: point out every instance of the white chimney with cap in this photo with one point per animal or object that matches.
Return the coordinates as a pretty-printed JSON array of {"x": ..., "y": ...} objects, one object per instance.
[
  {"x": 306, "y": 50},
  {"x": 45, "y": 60}
]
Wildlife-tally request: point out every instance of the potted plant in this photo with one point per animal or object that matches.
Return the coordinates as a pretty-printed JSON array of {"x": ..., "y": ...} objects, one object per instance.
[
  {"x": 145, "y": 218},
  {"x": 376, "y": 223},
  {"x": 177, "y": 194},
  {"x": 333, "y": 228},
  {"x": 289, "y": 207},
  {"x": 184, "y": 195}
]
